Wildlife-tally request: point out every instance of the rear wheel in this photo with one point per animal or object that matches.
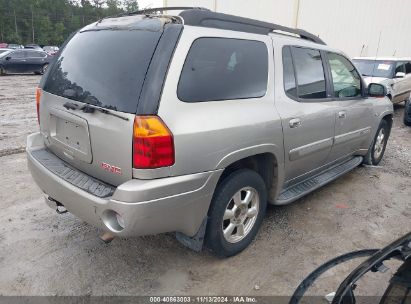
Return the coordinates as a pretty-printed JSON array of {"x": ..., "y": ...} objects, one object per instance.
[
  {"x": 236, "y": 212},
  {"x": 407, "y": 113},
  {"x": 378, "y": 145}
]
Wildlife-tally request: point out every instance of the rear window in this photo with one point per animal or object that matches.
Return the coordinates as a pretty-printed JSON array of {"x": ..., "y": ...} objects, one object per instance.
[
  {"x": 222, "y": 69},
  {"x": 290, "y": 85},
  {"x": 105, "y": 68},
  {"x": 310, "y": 73}
]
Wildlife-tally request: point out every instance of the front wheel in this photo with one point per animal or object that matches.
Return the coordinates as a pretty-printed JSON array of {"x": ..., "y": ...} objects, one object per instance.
[
  {"x": 236, "y": 212},
  {"x": 378, "y": 145},
  {"x": 2, "y": 71}
]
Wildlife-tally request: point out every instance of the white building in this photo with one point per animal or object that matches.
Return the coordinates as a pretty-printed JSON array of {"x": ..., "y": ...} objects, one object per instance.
[{"x": 358, "y": 27}]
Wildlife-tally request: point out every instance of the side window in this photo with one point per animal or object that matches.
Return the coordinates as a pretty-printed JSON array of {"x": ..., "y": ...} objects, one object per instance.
[
  {"x": 400, "y": 67},
  {"x": 222, "y": 68},
  {"x": 17, "y": 55},
  {"x": 346, "y": 80},
  {"x": 35, "y": 55},
  {"x": 310, "y": 73},
  {"x": 290, "y": 85},
  {"x": 408, "y": 68}
]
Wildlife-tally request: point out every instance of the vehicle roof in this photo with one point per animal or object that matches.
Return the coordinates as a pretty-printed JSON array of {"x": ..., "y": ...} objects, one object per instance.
[
  {"x": 384, "y": 58},
  {"x": 286, "y": 39},
  {"x": 206, "y": 18},
  {"x": 202, "y": 17}
]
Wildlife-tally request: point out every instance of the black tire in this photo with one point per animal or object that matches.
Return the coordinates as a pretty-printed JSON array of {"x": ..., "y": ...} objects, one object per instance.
[
  {"x": 247, "y": 181},
  {"x": 43, "y": 69},
  {"x": 407, "y": 113},
  {"x": 373, "y": 158},
  {"x": 2, "y": 71}
]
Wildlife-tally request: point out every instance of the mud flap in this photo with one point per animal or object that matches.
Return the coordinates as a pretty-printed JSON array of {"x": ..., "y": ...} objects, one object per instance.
[{"x": 195, "y": 242}]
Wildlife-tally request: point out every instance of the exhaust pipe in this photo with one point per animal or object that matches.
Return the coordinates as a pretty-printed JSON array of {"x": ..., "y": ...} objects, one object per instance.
[{"x": 55, "y": 205}]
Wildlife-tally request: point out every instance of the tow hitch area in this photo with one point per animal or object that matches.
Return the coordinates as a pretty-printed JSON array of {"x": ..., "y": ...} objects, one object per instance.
[{"x": 55, "y": 205}]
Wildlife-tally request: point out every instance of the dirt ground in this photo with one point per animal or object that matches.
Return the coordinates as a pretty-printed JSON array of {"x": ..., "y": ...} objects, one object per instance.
[{"x": 42, "y": 253}]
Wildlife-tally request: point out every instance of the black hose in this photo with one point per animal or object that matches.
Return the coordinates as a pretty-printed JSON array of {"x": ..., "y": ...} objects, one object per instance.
[{"x": 309, "y": 280}]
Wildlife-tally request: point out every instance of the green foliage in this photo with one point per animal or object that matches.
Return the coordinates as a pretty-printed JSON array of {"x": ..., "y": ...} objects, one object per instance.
[{"x": 52, "y": 21}]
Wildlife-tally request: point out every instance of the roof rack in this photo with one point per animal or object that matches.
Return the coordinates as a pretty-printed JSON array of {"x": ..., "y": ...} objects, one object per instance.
[
  {"x": 162, "y": 9},
  {"x": 199, "y": 16},
  {"x": 207, "y": 18}
]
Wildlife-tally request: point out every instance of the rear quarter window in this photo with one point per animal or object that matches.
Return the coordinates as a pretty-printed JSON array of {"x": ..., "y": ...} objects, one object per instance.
[{"x": 222, "y": 69}]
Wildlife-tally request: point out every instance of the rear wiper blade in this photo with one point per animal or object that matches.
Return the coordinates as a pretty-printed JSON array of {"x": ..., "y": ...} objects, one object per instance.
[{"x": 88, "y": 108}]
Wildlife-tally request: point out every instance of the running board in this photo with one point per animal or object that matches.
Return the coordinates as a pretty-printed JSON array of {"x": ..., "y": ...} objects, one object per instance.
[{"x": 299, "y": 190}]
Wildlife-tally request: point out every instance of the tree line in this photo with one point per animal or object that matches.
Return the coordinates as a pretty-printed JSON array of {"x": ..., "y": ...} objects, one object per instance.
[{"x": 50, "y": 22}]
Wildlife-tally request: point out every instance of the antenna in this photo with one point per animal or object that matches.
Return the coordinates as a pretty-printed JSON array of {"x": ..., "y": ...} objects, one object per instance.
[
  {"x": 378, "y": 46},
  {"x": 362, "y": 49}
]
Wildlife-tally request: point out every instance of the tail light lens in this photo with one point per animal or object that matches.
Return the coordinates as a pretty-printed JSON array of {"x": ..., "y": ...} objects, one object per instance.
[
  {"x": 153, "y": 144},
  {"x": 38, "y": 96}
]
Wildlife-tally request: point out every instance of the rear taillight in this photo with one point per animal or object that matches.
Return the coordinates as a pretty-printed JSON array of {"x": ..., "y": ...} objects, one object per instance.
[
  {"x": 153, "y": 144},
  {"x": 38, "y": 96}
]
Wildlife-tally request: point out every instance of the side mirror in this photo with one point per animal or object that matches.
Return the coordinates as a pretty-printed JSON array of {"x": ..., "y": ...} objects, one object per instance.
[
  {"x": 400, "y": 75},
  {"x": 8, "y": 58},
  {"x": 377, "y": 90}
]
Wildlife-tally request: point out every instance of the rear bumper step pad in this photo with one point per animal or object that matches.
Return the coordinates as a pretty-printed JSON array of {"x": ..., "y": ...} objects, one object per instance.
[{"x": 72, "y": 175}]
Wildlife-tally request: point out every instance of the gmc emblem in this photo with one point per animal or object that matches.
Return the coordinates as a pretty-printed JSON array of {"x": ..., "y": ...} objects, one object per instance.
[{"x": 110, "y": 168}]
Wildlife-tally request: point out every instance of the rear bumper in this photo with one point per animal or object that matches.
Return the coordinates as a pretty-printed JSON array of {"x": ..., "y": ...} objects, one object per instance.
[{"x": 146, "y": 206}]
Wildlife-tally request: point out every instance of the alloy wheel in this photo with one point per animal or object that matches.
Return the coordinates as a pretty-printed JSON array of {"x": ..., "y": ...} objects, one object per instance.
[
  {"x": 240, "y": 214},
  {"x": 379, "y": 144}
]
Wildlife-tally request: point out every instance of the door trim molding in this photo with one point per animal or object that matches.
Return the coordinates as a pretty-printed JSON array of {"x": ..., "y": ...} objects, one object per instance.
[{"x": 303, "y": 151}]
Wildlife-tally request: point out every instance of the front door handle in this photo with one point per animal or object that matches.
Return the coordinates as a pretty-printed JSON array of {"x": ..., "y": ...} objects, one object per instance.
[
  {"x": 295, "y": 122},
  {"x": 342, "y": 114}
]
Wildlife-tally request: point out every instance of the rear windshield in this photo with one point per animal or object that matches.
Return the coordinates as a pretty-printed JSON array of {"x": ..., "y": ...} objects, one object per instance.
[
  {"x": 375, "y": 68},
  {"x": 104, "y": 68}
]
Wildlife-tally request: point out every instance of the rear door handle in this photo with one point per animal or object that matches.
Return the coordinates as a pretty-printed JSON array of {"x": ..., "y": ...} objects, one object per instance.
[
  {"x": 342, "y": 114},
  {"x": 295, "y": 122}
]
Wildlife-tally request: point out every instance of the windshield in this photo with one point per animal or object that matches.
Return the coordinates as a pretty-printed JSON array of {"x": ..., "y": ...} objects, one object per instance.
[
  {"x": 375, "y": 68},
  {"x": 93, "y": 69}
]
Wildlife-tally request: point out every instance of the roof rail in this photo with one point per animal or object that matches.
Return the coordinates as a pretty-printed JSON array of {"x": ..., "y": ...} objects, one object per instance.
[
  {"x": 162, "y": 9},
  {"x": 200, "y": 16},
  {"x": 207, "y": 18}
]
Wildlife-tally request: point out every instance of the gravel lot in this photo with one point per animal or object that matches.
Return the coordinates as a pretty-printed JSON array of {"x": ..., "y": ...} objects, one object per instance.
[{"x": 42, "y": 253}]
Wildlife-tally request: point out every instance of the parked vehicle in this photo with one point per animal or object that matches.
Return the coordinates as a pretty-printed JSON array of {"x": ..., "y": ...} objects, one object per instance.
[
  {"x": 394, "y": 73},
  {"x": 33, "y": 46},
  {"x": 15, "y": 46},
  {"x": 24, "y": 61},
  {"x": 230, "y": 116},
  {"x": 407, "y": 113},
  {"x": 51, "y": 50},
  {"x": 3, "y": 45}
]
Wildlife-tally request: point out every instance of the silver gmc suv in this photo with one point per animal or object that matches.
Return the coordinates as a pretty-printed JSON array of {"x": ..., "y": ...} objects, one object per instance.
[{"x": 193, "y": 123}]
